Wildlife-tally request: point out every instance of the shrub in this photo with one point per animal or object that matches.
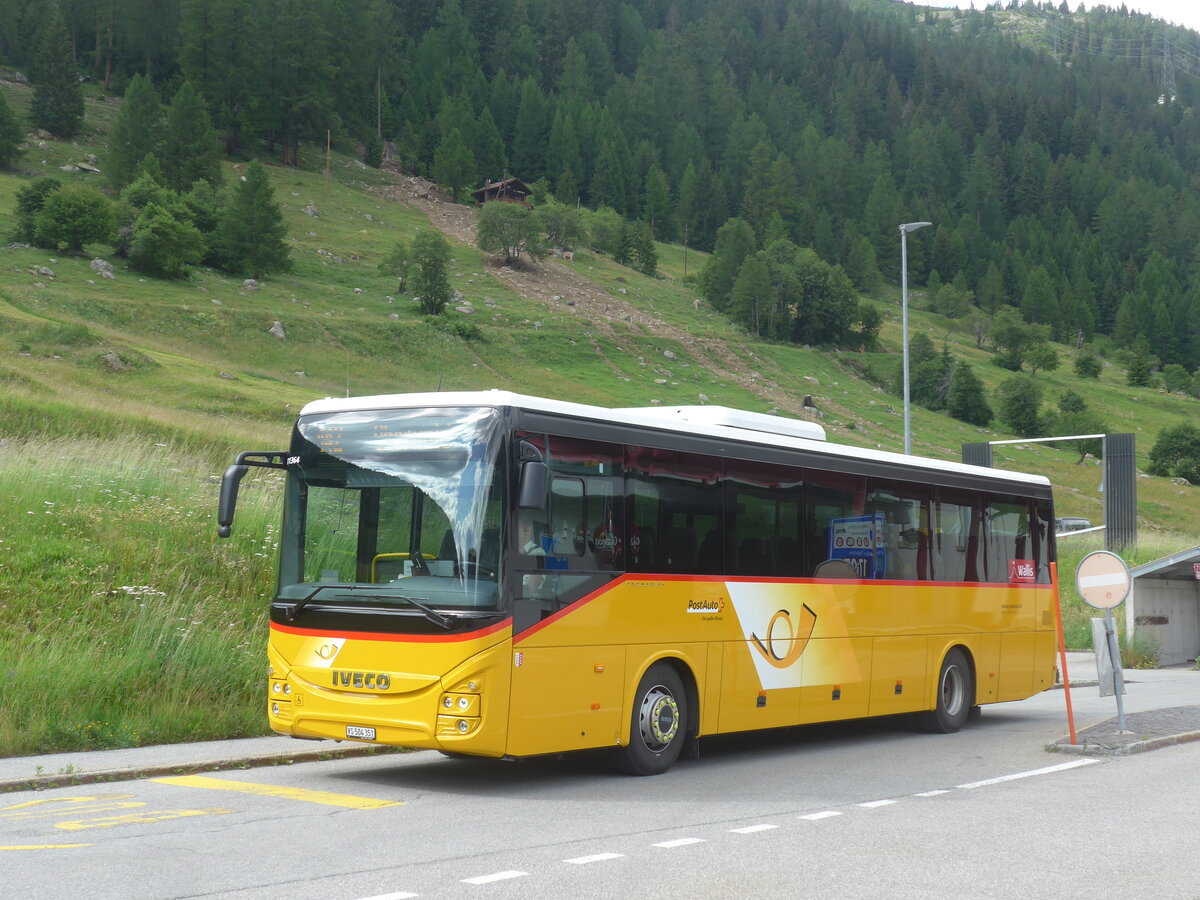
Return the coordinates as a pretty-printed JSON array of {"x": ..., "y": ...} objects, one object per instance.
[
  {"x": 30, "y": 200},
  {"x": 1177, "y": 452},
  {"x": 71, "y": 217},
  {"x": 1088, "y": 365},
  {"x": 165, "y": 244}
]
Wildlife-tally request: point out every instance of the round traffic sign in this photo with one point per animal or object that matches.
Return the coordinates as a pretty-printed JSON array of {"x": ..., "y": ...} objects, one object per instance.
[{"x": 1102, "y": 579}]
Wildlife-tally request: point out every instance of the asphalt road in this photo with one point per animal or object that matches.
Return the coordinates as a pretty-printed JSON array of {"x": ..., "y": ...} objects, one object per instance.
[{"x": 858, "y": 810}]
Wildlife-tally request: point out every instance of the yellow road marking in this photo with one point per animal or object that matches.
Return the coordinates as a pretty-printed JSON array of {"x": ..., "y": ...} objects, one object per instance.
[
  {"x": 269, "y": 790},
  {"x": 41, "y": 846},
  {"x": 56, "y": 812},
  {"x": 102, "y": 798},
  {"x": 139, "y": 818}
]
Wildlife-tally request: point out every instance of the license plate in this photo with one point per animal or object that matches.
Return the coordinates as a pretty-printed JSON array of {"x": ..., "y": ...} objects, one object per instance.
[{"x": 362, "y": 732}]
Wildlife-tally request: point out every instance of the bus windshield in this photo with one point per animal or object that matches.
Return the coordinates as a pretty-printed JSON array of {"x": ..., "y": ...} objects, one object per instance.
[{"x": 397, "y": 508}]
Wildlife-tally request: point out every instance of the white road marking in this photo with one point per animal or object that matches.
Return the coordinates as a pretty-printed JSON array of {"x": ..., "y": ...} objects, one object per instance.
[
  {"x": 494, "y": 877},
  {"x": 875, "y": 804},
  {"x": 678, "y": 842},
  {"x": 752, "y": 829},
  {"x": 827, "y": 814},
  {"x": 401, "y": 895},
  {"x": 1062, "y": 767},
  {"x": 930, "y": 793},
  {"x": 595, "y": 857}
]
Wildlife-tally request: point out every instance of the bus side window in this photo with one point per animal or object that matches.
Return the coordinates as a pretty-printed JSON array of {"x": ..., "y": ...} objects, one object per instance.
[
  {"x": 904, "y": 509},
  {"x": 1009, "y": 548},
  {"x": 956, "y": 536},
  {"x": 828, "y": 498}
]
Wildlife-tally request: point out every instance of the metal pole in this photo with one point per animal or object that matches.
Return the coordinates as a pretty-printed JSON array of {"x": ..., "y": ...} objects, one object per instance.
[
  {"x": 1114, "y": 653},
  {"x": 904, "y": 333}
]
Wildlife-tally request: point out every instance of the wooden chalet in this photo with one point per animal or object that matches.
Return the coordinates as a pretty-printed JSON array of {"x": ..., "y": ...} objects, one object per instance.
[{"x": 508, "y": 190}]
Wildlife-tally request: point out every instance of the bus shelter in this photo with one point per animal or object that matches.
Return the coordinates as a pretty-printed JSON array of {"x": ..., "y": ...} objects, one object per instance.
[{"x": 1164, "y": 603}]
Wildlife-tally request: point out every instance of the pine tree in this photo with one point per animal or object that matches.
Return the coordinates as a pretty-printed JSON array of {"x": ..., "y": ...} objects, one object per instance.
[
  {"x": 488, "y": 147},
  {"x": 751, "y": 293},
  {"x": 135, "y": 132},
  {"x": 453, "y": 164},
  {"x": 191, "y": 150},
  {"x": 11, "y": 135},
  {"x": 735, "y": 241},
  {"x": 966, "y": 400},
  {"x": 57, "y": 104},
  {"x": 656, "y": 203},
  {"x": 645, "y": 255},
  {"x": 250, "y": 237}
]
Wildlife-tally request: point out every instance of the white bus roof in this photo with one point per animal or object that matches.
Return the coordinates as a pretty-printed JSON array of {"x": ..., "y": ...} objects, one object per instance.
[{"x": 711, "y": 421}]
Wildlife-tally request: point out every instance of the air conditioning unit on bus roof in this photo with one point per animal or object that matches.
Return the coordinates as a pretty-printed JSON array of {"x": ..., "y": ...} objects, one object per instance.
[{"x": 732, "y": 418}]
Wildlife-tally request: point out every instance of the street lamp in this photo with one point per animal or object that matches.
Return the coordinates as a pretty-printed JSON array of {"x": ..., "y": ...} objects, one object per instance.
[{"x": 904, "y": 232}]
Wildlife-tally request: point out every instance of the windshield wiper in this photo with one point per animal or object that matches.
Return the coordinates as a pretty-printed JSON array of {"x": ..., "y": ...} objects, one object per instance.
[{"x": 446, "y": 622}]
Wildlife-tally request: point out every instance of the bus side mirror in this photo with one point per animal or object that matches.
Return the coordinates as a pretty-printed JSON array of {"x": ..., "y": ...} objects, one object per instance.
[
  {"x": 228, "y": 501},
  {"x": 532, "y": 491}
]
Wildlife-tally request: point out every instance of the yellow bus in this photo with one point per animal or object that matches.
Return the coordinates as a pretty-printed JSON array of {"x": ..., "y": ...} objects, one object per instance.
[{"x": 497, "y": 575}]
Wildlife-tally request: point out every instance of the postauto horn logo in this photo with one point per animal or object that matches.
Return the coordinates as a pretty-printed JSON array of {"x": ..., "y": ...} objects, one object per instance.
[{"x": 792, "y": 636}]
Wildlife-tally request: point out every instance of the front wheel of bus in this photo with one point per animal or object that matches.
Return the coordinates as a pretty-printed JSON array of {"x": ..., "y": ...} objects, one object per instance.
[
  {"x": 955, "y": 695},
  {"x": 659, "y": 723}
]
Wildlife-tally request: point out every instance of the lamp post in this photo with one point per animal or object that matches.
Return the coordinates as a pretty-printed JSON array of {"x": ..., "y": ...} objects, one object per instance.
[{"x": 904, "y": 232}]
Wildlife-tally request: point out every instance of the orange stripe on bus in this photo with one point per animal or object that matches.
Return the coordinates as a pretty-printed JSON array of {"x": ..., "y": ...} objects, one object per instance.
[{"x": 400, "y": 638}]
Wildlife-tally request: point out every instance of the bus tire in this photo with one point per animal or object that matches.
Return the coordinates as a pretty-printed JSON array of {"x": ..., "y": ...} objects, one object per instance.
[
  {"x": 658, "y": 725},
  {"x": 955, "y": 695}
]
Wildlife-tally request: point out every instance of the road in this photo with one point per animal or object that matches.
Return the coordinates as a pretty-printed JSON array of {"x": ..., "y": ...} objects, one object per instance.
[{"x": 858, "y": 810}]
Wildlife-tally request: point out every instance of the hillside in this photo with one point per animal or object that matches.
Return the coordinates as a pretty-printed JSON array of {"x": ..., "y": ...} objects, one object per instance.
[
  {"x": 124, "y": 398},
  {"x": 197, "y": 358}
]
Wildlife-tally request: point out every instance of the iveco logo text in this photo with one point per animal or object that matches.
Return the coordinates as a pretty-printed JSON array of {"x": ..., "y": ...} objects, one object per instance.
[
  {"x": 706, "y": 606},
  {"x": 372, "y": 681}
]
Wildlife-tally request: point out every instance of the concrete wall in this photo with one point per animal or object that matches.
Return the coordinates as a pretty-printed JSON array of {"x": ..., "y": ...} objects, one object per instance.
[{"x": 1169, "y": 612}]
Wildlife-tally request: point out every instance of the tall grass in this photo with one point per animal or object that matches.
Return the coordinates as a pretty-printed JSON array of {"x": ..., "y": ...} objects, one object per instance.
[
  {"x": 122, "y": 620},
  {"x": 1077, "y": 615}
]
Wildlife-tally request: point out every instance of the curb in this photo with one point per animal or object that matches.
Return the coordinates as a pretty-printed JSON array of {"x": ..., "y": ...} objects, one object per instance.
[
  {"x": 1157, "y": 743},
  {"x": 42, "y": 782}
]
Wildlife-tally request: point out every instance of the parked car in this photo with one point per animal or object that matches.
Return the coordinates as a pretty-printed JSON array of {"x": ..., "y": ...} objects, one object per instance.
[{"x": 1066, "y": 524}]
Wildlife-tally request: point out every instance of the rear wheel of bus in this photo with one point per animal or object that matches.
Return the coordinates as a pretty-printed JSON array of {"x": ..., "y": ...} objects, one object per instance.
[
  {"x": 659, "y": 722},
  {"x": 955, "y": 695}
]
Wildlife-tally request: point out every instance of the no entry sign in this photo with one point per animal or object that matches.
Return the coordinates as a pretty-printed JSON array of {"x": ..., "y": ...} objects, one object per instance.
[{"x": 1102, "y": 580}]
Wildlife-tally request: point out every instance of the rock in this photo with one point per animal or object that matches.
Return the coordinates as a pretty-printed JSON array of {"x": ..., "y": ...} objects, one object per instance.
[
  {"x": 393, "y": 315},
  {"x": 669, "y": 354},
  {"x": 811, "y": 380},
  {"x": 465, "y": 310},
  {"x": 103, "y": 268},
  {"x": 311, "y": 211},
  {"x": 43, "y": 271},
  {"x": 112, "y": 362},
  {"x": 226, "y": 376},
  {"x": 277, "y": 330},
  {"x": 249, "y": 285},
  {"x": 300, "y": 373},
  {"x": 70, "y": 167},
  {"x": 358, "y": 290}
]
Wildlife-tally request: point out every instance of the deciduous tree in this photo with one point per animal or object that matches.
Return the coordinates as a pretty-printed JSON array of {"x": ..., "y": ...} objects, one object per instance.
[{"x": 430, "y": 277}]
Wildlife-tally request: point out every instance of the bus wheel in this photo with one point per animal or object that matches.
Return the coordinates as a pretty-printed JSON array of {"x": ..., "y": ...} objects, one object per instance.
[
  {"x": 955, "y": 695},
  {"x": 659, "y": 723}
]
